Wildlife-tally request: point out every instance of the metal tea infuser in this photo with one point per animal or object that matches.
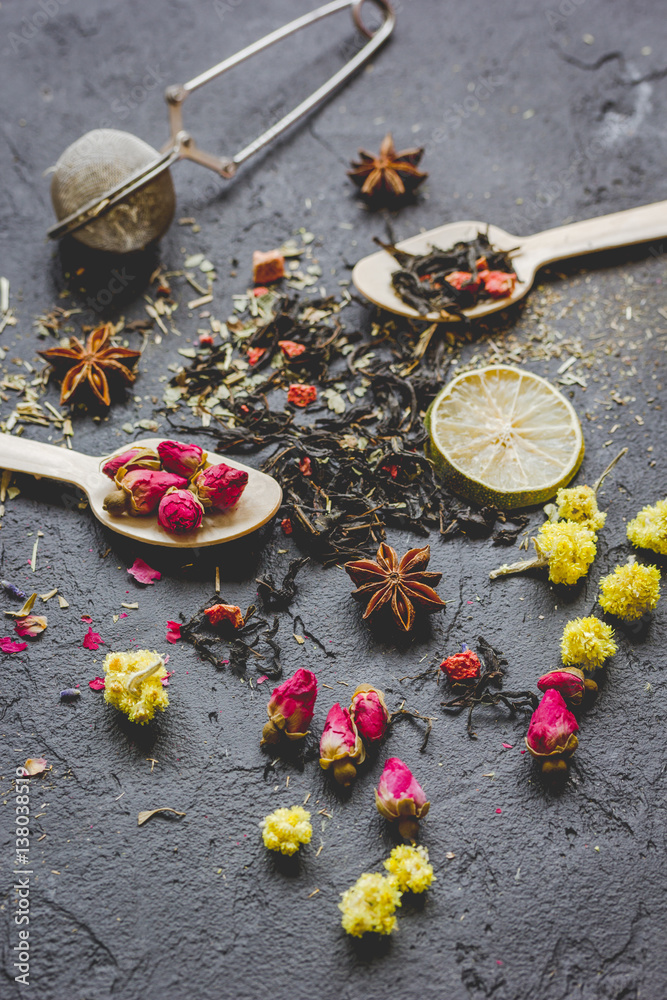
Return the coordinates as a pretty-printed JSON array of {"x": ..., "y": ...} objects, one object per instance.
[{"x": 114, "y": 192}]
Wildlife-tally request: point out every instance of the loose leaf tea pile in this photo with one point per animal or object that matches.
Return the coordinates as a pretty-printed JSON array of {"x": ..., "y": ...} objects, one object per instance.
[
  {"x": 452, "y": 280},
  {"x": 349, "y": 471}
]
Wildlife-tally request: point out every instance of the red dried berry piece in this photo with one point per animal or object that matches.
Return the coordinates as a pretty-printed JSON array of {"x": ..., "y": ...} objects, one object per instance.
[
  {"x": 224, "y": 613},
  {"x": 462, "y": 666},
  {"x": 301, "y": 395}
]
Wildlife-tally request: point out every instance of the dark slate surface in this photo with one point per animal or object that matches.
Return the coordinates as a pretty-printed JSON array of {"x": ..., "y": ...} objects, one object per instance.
[{"x": 560, "y": 895}]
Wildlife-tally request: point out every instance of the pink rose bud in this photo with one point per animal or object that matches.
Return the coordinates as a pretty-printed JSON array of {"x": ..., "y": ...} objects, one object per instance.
[
  {"x": 568, "y": 681},
  {"x": 135, "y": 458},
  {"x": 144, "y": 488},
  {"x": 291, "y": 707},
  {"x": 183, "y": 459},
  {"x": 399, "y": 796},
  {"x": 220, "y": 486},
  {"x": 180, "y": 511},
  {"x": 551, "y": 732},
  {"x": 341, "y": 747},
  {"x": 369, "y": 712}
]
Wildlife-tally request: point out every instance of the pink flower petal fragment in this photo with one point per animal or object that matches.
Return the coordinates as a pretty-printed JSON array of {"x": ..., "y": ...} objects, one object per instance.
[
  {"x": 92, "y": 640},
  {"x": 30, "y": 625},
  {"x": 8, "y": 645},
  {"x": 173, "y": 631},
  {"x": 143, "y": 573},
  {"x": 34, "y": 765},
  {"x": 97, "y": 684}
]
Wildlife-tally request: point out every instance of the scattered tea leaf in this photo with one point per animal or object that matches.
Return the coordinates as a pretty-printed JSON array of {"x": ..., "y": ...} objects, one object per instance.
[{"x": 143, "y": 817}]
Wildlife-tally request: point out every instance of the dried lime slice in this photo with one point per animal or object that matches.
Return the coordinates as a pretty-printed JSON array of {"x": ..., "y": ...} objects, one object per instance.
[{"x": 504, "y": 436}]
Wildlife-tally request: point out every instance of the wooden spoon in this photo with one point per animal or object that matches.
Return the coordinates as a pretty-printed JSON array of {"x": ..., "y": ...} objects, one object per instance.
[
  {"x": 260, "y": 501},
  {"x": 372, "y": 275}
]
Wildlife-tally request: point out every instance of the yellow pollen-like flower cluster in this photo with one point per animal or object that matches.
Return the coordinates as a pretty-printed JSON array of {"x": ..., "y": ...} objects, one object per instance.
[
  {"x": 579, "y": 504},
  {"x": 648, "y": 530},
  {"x": 569, "y": 547},
  {"x": 630, "y": 591},
  {"x": 370, "y": 904},
  {"x": 286, "y": 829},
  {"x": 137, "y": 696},
  {"x": 587, "y": 642},
  {"x": 410, "y": 867}
]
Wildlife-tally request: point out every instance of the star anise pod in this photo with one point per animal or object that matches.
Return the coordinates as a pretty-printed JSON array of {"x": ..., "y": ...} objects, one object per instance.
[
  {"x": 403, "y": 583},
  {"x": 90, "y": 366},
  {"x": 389, "y": 175}
]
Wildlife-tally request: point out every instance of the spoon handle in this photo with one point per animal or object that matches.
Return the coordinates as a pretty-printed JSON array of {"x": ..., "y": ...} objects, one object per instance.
[
  {"x": 40, "y": 459},
  {"x": 636, "y": 225}
]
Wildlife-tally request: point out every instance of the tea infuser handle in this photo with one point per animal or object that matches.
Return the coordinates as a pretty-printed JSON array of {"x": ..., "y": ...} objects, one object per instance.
[{"x": 175, "y": 96}]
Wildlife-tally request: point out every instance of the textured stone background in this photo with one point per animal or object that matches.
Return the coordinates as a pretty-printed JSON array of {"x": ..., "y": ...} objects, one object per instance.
[{"x": 561, "y": 895}]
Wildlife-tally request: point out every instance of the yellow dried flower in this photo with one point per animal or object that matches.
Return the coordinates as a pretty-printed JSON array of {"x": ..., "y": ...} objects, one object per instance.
[
  {"x": 579, "y": 504},
  {"x": 410, "y": 867},
  {"x": 370, "y": 904},
  {"x": 587, "y": 642},
  {"x": 133, "y": 684},
  {"x": 569, "y": 547},
  {"x": 286, "y": 829},
  {"x": 648, "y": 530},
  {"x": 630, "y": 591}
]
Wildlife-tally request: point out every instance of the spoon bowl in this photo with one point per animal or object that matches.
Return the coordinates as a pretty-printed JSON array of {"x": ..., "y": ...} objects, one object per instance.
[
  {"x": 260, "y": 500},
  {"x": 372, "y": 275}
]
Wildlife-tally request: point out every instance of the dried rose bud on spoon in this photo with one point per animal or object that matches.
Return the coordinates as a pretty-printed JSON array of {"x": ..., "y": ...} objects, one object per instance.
[{"x": 258, "y": 502}]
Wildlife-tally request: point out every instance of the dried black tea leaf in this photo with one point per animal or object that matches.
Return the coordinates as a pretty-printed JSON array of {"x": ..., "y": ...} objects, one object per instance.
[{"x": 452, "y": 280}]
